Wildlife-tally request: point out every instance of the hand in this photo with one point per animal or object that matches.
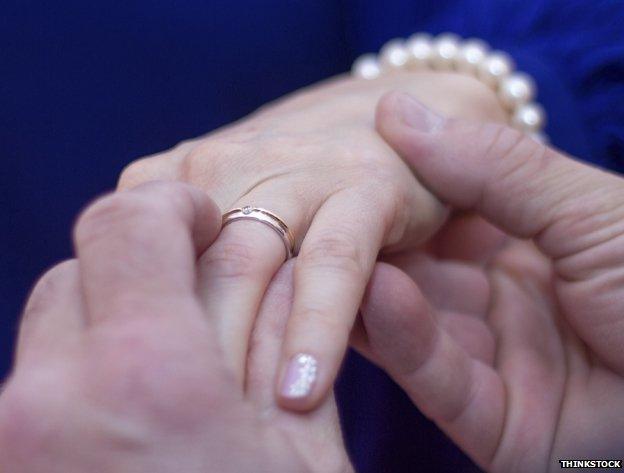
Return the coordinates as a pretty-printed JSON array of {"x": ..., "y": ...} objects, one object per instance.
[
  {"x": 511, "y": 341},
  {"x": 315, "y": 160},
  {"x": 119, "y": 368}
]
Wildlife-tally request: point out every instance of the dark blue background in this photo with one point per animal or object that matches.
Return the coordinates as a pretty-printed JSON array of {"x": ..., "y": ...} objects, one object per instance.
[{"x": 86, "y": 87}]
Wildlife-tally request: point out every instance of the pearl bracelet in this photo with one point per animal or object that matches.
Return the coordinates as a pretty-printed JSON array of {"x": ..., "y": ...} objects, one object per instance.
[{"x": 447, "y": 52}]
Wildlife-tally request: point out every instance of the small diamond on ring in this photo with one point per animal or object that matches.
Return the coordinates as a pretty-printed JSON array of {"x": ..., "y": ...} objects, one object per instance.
[{"x": 247, "y": 209}]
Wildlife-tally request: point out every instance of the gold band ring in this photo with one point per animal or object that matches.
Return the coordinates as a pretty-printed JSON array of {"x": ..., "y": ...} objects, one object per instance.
[{"x": 268, "y": 218}]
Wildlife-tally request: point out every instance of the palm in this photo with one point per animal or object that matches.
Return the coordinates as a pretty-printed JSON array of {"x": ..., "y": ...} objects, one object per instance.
[{"x": 540, "y": 388}]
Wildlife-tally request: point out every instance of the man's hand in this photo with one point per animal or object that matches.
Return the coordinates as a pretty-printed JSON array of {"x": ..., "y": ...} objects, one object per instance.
[
  {"x": 119, "y": 367},
  {"x": 512, "y": 341}
]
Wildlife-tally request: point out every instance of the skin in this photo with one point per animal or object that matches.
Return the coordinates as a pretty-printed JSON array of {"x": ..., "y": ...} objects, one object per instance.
[
  {"x": 509, "y": 337},
  {"x": 511, "y": 340},
  {"x": 314, "y": 159},
  {"x": 119, "y": 367}
]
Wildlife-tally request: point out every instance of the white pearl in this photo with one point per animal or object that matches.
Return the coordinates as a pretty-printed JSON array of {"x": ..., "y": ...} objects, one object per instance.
[
  {"x": 445, "y": 48},
  {"x": 420, "y": 49},
  {"x": 495, "y": 67},
  {"x": 515, "y": 90},
  {"x": 529, "y": 118},
  {"x": 393, "y": 55},
  {"x": 366, "y": 67},
  {"x": 470, "y": 55}
]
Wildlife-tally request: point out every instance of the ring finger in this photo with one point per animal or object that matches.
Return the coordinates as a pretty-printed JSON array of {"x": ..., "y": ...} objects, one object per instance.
[{"x": 236, "y": 270}]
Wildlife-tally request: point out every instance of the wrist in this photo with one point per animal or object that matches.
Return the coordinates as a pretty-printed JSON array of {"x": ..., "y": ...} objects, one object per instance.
[
  {"x": 449, "y": 94},
  {"x": 470, "y": 58}
]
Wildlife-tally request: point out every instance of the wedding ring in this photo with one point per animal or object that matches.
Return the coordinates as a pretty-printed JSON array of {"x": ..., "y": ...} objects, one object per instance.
[{"x": 268, "y": 218}]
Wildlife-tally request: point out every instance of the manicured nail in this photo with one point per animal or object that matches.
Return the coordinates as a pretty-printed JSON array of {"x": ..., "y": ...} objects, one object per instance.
[
  {"x": 299, "y": 376},
  {"x": 415, "y": 115}
]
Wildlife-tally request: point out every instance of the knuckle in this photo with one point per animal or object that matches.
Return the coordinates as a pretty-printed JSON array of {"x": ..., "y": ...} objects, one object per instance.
[
  {"x": 231, "y": 260},
  {"x": 516, "y": 159},
  {"x": 170, "y": 198},
  {"x": 370, "y": 189},
  {"x": 47, "y": 287},
  {"x": 376, "y": 197},
  {"x": 195, "y": 161},
  {"x": 203, "y": 161},
  {"x": 138, "y": 215},
  {"x": 183, "y": 147},
  {"x": 362, "y": 160},
  {"x": 505, "y": 144},
  {"x": 135, "y": 173},
  {"x": 104, "y": 214},
  {"x": 335, "y": 251}
]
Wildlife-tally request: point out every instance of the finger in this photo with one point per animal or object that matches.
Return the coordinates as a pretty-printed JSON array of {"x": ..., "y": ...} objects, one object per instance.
[
  {"x": 520, "y": 185},
  {"x": 332, "y": 269},
  {"x": 470, "y": 333},
  {"x": 53, "y": 316},
  {"x": 532, "y": 362},
  {"x": 450, "y": 285},
  {"x": 316, "y": 431},
  {"x": 266, "y": 339},
  {"x": 234, "y": 274},
  {"x": 465, "y": 397},
  {"x": 138, "y": 248},
  {"x": 573, "y": 212}
]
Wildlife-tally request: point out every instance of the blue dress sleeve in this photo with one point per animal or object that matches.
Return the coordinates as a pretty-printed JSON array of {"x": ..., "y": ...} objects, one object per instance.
[
  {"x": 573, "y": 48},
  {"x": 575, "y": 51}
]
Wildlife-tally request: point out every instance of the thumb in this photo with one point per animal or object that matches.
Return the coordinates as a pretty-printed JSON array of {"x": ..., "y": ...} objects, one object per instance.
[
  {"x": 573, "y": 212},
  {"x": 518, "y": 184}
]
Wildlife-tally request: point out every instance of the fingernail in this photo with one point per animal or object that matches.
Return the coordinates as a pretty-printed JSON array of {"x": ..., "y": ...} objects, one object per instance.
[
  {"x": 299, "y": 377},
  {"x": 415, "y": 115}
]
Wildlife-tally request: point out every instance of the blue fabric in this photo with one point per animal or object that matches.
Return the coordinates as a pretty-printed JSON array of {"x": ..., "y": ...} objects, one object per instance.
[{"x": 86, "y": 87}]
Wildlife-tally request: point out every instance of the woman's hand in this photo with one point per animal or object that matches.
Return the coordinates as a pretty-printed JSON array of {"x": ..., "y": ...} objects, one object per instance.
[
  {"x": 512, "y": 342},
  {"x": 119, "y": 368},
  {"x": 315, "y": 160}
]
